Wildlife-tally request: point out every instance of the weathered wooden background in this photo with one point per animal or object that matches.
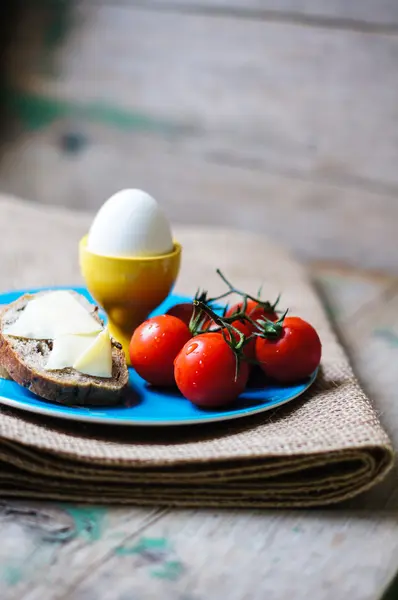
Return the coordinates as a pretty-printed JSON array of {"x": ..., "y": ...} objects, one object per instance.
[
  {"x": 276, "y": 116},
  {"x": 271, "y": 115}
]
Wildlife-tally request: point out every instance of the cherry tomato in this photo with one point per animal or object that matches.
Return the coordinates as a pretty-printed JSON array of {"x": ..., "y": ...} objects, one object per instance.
[
  {"x": 182, "y": 311},
  {"x": 154, "y": 346},
  {"x": 294, "y": 355},
  {"x": 205, "y": 371},
  {"x": 254, "y": 310}
]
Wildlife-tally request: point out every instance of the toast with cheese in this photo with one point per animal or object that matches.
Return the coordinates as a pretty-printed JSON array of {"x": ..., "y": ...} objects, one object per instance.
[{"x": 25, "y": 361}]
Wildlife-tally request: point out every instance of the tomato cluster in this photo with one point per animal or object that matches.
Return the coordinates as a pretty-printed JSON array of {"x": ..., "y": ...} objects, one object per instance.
[{"x": 209, "y": 357}]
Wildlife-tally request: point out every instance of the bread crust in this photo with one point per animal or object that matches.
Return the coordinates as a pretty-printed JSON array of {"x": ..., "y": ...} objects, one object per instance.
[{"x": 88, "y": 391}]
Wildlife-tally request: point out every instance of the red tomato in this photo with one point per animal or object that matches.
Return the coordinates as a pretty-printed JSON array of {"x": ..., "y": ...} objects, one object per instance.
[
  {"x": 205, "y": 371},
  {"x": 182, "y": 311},
  {"x": 254, "y": 310},
  {"x": 154, "y": 346},
  {"x": 294, "y": 355}
]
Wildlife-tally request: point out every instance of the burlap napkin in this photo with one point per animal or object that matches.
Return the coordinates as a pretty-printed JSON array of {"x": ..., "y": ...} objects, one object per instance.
[{"x": 322, "y": 448}]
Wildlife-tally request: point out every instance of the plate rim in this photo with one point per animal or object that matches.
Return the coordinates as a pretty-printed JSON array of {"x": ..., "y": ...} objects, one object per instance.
[{"x": 51, "y": 411}]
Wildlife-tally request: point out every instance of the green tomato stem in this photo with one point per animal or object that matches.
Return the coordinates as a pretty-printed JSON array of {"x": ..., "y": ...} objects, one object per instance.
[{"x": 233, "y": 290}]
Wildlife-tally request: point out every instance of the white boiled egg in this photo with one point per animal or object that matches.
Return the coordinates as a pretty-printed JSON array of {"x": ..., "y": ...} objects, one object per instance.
[{"x": 131, "y": 223}]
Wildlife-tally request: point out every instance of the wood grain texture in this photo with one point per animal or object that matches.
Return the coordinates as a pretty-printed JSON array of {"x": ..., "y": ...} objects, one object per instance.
[
  {"x": 338, "y": 13},
  {"x": 42, "y": 543},
  {"x": 252, "y": 556},
  {"x": 298, "y": 101}
]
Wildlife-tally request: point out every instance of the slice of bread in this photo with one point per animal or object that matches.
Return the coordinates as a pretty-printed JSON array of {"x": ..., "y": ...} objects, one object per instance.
[
  {"x": 25, "y": 360},
  {"x": 3, "y": 373}
]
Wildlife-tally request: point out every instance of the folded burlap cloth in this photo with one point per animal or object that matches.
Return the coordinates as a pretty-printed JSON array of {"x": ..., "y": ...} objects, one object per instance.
[{"x": 324, "y": 447}]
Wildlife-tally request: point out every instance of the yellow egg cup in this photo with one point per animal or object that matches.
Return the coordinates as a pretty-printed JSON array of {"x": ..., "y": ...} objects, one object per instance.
[{"x": 128, "y": 289}]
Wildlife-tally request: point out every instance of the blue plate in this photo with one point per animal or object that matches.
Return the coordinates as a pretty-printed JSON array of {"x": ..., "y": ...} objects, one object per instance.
[{"x": 145, "y": 405}]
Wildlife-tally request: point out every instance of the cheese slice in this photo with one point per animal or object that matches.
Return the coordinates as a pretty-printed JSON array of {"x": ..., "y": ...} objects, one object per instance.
[
  {"x": 67, "y": 349},
  {"x": 51, "y": 315},
  {"x": 97, "y": 359}
]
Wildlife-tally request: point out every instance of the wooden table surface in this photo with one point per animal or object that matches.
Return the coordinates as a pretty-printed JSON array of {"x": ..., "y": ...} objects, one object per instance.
[{"x": 273, "y": 116}]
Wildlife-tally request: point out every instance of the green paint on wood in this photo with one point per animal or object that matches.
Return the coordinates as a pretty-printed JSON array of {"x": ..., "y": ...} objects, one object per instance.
[
  {"x": 60, "y": 536},
  {"x": 26, "y": 561},
  {"x": 88, "y": 520},
  {"x": 59, "y": 23},
  {"x": 155, "y": 550},
  {"x": 170, "y": 570},
  {"x": 36, "y": 112},
  {"x": 296, "y": 529},
  {"x": 387, "y": 335},
  {"x": 12, "y": 574},
  {"x": 143, "y": 545}
]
